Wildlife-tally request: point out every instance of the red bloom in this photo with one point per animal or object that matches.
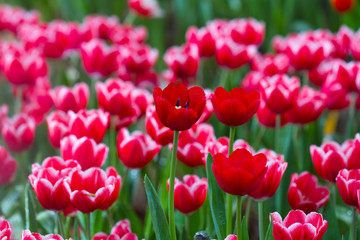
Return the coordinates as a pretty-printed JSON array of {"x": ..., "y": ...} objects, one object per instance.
[
  {"x": 27, "y": 235},
  {"x": 177, "y": 107},
  {"x": 337, "y": 97},
  {"x": 231, "y": 237},
  {"x": 342, "y": 6},
  {"x": 251, "y": 81},
  {"x": 247, "y": 31},
  {"x": 156, "y": 130},
  {"x": 94, "y": 189},
  {"x": 183, "y": 60},
  {"x": 145, "y": 8},
  {"x": 135, "y": 150},
  {"x": 57, "y": 123},
  {"x": 346, "y": 74},
  {"x": 100, "y": 26},
  {"x": 49, "y": 184},
  {"x": 13, "y": 17},
  {"x": 89, "y": 123},
  {"x": 192, "y": 144},
  {"x": 348, "y": 183},
  {"x": 19, "y": 132},
  {"x": 276, "y": 167},
  {"x": 279, "y": 92},
  {"x": 84, "y": 150},
  {"x": 121, "y": 231},
  {"x": 203, "y": 39},
  {"x": 241, "y": 173},
  {"x": 298, "y": 225},
  {"x": 267, "y": 118},
  {"x": 319, "y": 74},
  {"x": 270, "y": 65},
  {"x": 8, "y": 168},
  {"x": 236, "y": 107},
  {"x": 190, "y": 195},
  {"x": 342, "y": 41},
  {"x": 73, "y": 99},
  {"x": 305, "y": 193},
  {"x": 5, "y": 229}
]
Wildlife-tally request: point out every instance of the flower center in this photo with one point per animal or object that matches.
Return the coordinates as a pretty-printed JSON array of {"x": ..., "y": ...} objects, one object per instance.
[{"x": 178, "y": 104}]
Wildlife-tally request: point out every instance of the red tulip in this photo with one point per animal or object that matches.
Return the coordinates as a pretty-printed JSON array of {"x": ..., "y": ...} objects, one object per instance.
[
  {"x": 57, "y": 123},
  {"x": 9, "y": 166},
  {"x": 231, "y": 54},
  {"x": 298, "y": 225},
  {"x": 13, "y": 17},
  {"x": 84, "y": 150},
  {"x": 305, "y": 193},
  {"x": 354, "y": 49},
  {"x": 121, "y": 231},
  {"x": 177, "y": 107},
  {"x": 123, "y": 34},
  {"x": 267, "y": 118},
  {"x": 346, "y": 74},
  {"x": 73, "y": 99},
  {"x": 145, "y": 8},
  {"x": 208, "y": 110},
  {"x": 98, "y": 58},
  {"x": 251, "y": 81},
  {"x": 241, "y": 167},
  {"x": 337, "y": 97},
  {"x": 342, "y": 41},
  {"x": 156, "y": 130},
  {"x": 342, "y": 6},
  {"x": 183, "y": 60},
  {"x": 270, "y": 64},
  {"x": 94, "y": 189},
  {"x": 236, "y": 107},
  {"x": 100, "y": 26},
  {"x": 135, "y": 150},
  {"x": 19, "y": 132},
  {"x": 21, "y": 67},
  {"x": 138, "y": 58},
  {"x": 48, "y": 181},
  {"x": 27, "y": 235},
  {"x": 190, "y": 194},
  {"x": 319, "y": 74},
  {"x": 5, "y": 229},
  {"x": 231, "y": 237},
  {"x": 279, "y": 92},
  {"x": 276, "y": 167},
  {"x": 192, "y": 144},
  {"x": 247, "y": 31},
  {"x": 308, "y": 107},
  {"x": 348, "y": 183},
  {"x": 203, "y": 39},
  {"x": 37, "y": 105},
  {"x": 142, "y": 99},
  {"x": 89, "y": 123}
]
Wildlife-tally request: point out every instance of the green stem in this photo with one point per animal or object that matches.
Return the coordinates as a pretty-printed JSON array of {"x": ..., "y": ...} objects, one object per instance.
[
  {"x": 238, "y": 218},
  {"x": 60, "y": 224},
  {"x": 113, "y": 151},
  {"x": 261, "y": 220},
  {"x": 18, "y": 100},
  {"x": 171, "y": 186},
  {"x": 229, "y": 197},
  {"x": 224, "y": 78},
  {"x": 353, "y": 226},
  {"x": 352, "y": 111},
  {"x": 247, "y": 211},
  {"x": 277, "y": 133},
  {"x": 88, "y": 229},
  {"x": 111, "y": 219},
  {"x": 130, "y": 18}
]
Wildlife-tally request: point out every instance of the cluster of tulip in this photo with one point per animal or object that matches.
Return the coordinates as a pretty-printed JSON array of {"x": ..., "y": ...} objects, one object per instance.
[{"x": 114, "y": 116}]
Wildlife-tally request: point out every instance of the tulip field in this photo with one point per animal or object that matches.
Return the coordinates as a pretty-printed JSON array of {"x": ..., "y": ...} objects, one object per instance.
[{"x": 179, "y": 120}]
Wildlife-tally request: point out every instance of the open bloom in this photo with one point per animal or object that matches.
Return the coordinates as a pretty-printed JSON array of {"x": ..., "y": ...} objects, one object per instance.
[
  {"x": 177, "y": 107},
  {"x": 305, "y": 193},
  {"x": 298, "y": 225},
  {"x": 236, "y": 107},
  {"x": 49, "y": 184},
  {"x": 5, "y": 229},
  {"x": 94, "y": 188},
  {"x": 203, "y": 39},
  {"x": 241, "y": 173},
  {"x": 8, "y": 167},
  {"x": 348, "y": 183},
  {"x": 73, "y": 99},
  {"x": 190, "y": 194}
]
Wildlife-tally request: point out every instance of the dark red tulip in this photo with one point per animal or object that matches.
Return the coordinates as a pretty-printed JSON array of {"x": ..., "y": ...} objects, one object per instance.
[
  {"x": 178, "y": 107},
  {"x": 305, "y": 193},
  {"x": 241, "y": 167},
  {"x": 190, "y": 194},
  {"x": 342, "y": 6},
  {"x": 276, "y": 167},
  {"x": 145, "y": 8},
  {"x": 137, "y": 149},
  {"x": 298, "y": 225},
  {"x": 156, "y": 130},
  {"x": 48, "y": 181},
  {"x": 9, "y": 166},
  {"x": 74, "y": 99},
  {"x": 57, "y": 123},
  {"x": 236, "y": 107},
  {"x": 348, "y": 183}
]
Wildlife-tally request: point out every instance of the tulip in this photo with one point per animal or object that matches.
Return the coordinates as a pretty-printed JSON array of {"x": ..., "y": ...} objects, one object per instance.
[
  {"x": 247, "y": 31},
  {"x": 9, "y": 166},
  {"x": 94, "y": 189},
  {"x": 13, "y": 17},
  {"x": 297, "y": 224},
  {"x": 145, "y": 8},
  {"x": 19, "y": 132},
  {"x": 121, "y": 231},
  {"x": 48, "y": 181},
  {"x": 241, "y": 167},
  {"x": 177, "y": 107},
  {"x": 236, "y": 107},
  {"x": 208, "y": 110},
  {"x": 342, "y": 6},
  {"x": 135, "y": 150},
  {"x": 319, "y": 74},
  {"x": 74, "y": 99},
  {"x": 84, "y": 150},
  {"x": 37, "y": 105},
  {"x": 5, "y": 229},
  {"x": 27, "y": 235},
  {"x": 123, "y": 34},
  {"x": 337, "y": 97},
  {"x": 183, "y": 60},
  {"x": 89, "y": 123},
  {"x": 348, "y": 183},
  {"x": 156, "y": 130},
  {"x": 192, "y": 144},
  {"x": 100, "y": 26},
  {"x": 276, "y": 167},
  {"x": 57, "y": 123},
  {"x": 342, "y": 41},
  {"x": 267, "y": 118},
  {"x": 305, "y": 193},
  {"x": 190, "y": 194},
  {"x": 270, "y": 65},
  {"x": 251, "y": 81},
  {"x": 203, "y": 39}
]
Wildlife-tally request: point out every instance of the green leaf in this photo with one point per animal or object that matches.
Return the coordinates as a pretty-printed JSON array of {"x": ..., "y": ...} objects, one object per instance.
[
  {"x": 217, "y": 202},
  {"x": 47, "y": 220},
  {"x": 269, "y": 231},
  {"x": 160, "y": 224},
  {"x": 30, "y": 214},
  {"x": 244, "y": 229}
]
